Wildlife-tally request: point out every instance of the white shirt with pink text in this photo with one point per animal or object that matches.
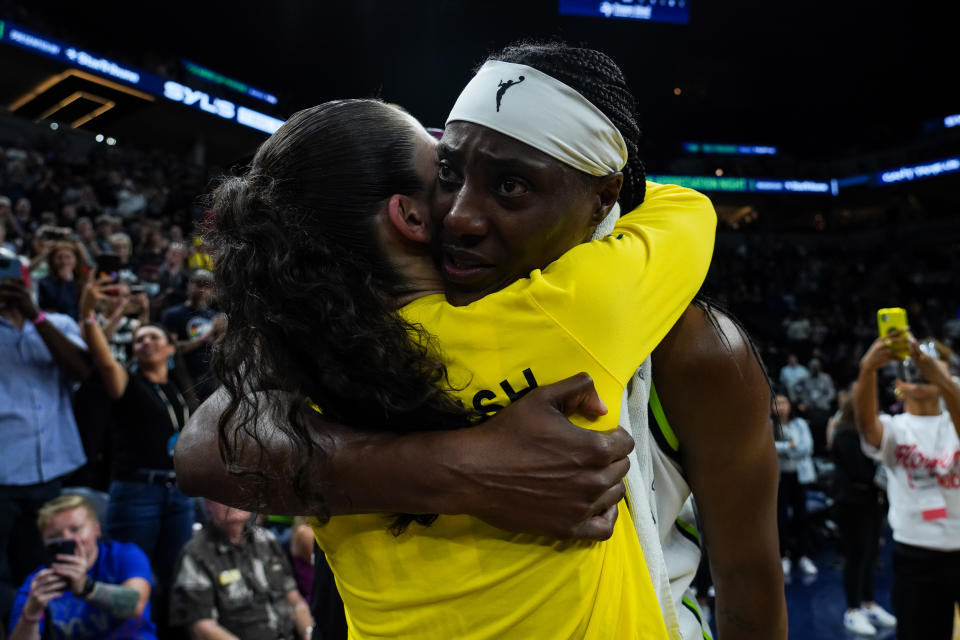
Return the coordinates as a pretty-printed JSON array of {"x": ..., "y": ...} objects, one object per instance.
[{"x": 921, "y": 455}]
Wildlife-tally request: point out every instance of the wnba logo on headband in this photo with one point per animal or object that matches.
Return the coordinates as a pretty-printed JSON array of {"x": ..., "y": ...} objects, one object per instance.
[
  {"x": 503, "y": 89},
  {"x": 546, "y": 114}
]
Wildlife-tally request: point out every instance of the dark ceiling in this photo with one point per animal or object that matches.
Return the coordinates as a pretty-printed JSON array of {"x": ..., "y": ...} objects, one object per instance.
[{"x": 815, "y": 77}]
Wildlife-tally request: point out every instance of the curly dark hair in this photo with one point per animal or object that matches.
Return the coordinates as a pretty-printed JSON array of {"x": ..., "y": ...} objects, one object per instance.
[
  {"x": 598, "y": 79},
  {"x": 310, "y": 294}
]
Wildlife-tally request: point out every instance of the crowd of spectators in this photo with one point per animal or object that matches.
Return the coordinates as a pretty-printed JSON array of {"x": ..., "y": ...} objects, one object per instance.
[{"x": 106, "y": 330}]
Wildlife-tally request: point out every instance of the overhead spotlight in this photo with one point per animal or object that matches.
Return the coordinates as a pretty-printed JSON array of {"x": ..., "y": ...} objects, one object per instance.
[
  {"x": 677, "y": 91},
  {"x": 718, "y": 172},
  {"x": 111, "y": 141},
  {"x": 99, "y": 137},
  {"x": 54, "y": 126}
]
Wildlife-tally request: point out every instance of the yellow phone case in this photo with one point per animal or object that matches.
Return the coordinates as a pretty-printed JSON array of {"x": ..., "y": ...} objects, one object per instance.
[{"x": 889, "y": 320}]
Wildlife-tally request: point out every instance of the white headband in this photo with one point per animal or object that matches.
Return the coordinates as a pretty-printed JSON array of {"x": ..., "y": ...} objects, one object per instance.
[{"x": 526, "y": 104}]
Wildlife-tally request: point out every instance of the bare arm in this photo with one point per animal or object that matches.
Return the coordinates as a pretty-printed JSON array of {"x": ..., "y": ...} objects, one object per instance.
[
  {"x": 209, "y": 629},
  {"x": 301, "y": 613},
  {"x": 865, "y": 392},
  {"x": 728, "y": 454},
  {"x": 115, "y": 377},
  {"x": 527, "y": 469},
  {"x": 938, "y": 374}
]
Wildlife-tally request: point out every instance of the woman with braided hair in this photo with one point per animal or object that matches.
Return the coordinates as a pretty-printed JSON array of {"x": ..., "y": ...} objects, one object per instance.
[{"x": 708, "y": 356}]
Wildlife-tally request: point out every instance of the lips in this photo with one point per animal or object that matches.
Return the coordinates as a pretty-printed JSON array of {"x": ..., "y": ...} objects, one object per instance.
[{"x": 462, "y": 266}]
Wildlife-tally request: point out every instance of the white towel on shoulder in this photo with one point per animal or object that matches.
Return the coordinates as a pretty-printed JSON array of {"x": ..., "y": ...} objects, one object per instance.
[{"x": 633, "y": 418}]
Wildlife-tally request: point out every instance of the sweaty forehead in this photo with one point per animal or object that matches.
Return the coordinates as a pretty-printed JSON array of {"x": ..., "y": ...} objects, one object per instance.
[{"x": 479, "y": 143}]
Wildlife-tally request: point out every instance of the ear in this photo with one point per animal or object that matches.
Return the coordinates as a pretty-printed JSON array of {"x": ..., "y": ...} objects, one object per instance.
[
  {"x": 608, "y": 190},
  {"x": 408, "y": 219}
]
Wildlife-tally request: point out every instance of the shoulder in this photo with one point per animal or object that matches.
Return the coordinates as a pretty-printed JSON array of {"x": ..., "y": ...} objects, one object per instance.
[
  {"x": 174, "y": 312},
  {"x": 127, "y": 559},
  {"x": 708, "y": 357},
  {"x": 123, "y": 550},
  {"x": 702, "y": 346},
  {"x": 262, "y": 536},
  {"x": 892, "y": 422},
  {"x": 199, "y": 544},
  {"x": 656, "y": 192},
  {"x": 63, "y": 322}
]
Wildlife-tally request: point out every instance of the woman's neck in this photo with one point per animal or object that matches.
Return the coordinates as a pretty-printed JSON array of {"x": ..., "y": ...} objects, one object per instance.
[
  {"x": 929, "y": 407},
  {"x": 420, "y": 278},
  {"x": 156, "y": 373}
]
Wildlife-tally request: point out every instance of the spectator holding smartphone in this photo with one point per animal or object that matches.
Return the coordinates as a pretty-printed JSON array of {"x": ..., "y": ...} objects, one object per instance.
[
  {"x": 99, "y": 590},
  {"x": 42, "y": 354},
  {"x": 151, "y": 404},
  {"x": 920, "y": 450}
]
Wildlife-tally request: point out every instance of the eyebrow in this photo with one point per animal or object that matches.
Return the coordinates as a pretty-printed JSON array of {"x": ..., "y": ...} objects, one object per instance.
[{"x": 504, "y": 161}]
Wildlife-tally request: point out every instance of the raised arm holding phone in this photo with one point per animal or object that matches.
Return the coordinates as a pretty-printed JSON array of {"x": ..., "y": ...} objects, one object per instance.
[
  {"x": 920, "y": 450},
  {"x": 152, "y": 403}
]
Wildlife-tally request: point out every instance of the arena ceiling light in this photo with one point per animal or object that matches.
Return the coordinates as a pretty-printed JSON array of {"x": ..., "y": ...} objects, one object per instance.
[
  {"x": 54, "y": 80},
  {"x": 105, "y": 105}
]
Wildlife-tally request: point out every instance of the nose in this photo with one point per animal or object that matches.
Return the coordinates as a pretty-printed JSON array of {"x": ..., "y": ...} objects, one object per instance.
[{"x": 466, "y": 222}]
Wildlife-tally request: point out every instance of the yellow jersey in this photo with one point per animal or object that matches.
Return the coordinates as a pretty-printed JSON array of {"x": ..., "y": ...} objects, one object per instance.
[{"x": 601, "y": 308}]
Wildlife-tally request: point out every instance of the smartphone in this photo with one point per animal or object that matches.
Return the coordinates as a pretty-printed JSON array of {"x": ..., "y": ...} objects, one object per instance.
[
  {"x": 108, "y": 264},
  {"x": 893, "y": 319},
  {"x": 58, "y": 546}
]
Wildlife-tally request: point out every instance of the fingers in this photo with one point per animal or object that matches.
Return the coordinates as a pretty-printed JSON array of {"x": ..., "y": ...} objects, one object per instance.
[
  {"x": 620, "y": 444},
  {"x": 575, "y": 394},
  {"x": 614, "y": 494},
  {"x": 597, "y": 527},
  {"x": 48, "y": 581}
]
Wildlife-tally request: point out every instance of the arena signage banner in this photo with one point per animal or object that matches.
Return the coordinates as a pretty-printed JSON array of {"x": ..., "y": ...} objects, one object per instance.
[
  {"x": 746, "y": 185},
  {"x": 729, "y": 149},
  {"x": 85, "y": 60},
  {"x": 217, "y": 78},
  {"x": 674, "y": 11},
  {"x": 918, "y": 171}
]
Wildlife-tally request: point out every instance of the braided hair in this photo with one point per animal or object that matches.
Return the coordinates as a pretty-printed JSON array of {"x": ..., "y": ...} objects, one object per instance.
[{"x": 598, "y": 79}]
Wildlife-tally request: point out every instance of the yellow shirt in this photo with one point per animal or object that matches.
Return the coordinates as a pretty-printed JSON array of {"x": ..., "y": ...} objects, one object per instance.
[{"x": 600, "y": 308}]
